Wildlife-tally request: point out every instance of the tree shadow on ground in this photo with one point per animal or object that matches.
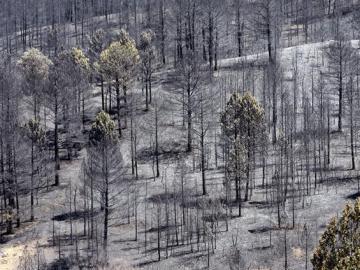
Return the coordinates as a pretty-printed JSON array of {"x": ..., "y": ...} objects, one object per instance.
[
  {"x": 75, "y": 215},
  {"x": 353, "y": 196},
  {"x": 63, "y": 264},
  {"x": 263, "y": 229},
  {"x": 168, "y": 150}
]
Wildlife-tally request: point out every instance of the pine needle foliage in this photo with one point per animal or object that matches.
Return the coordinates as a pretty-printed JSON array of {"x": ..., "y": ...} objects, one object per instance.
[{"x": 339, "y": 246}]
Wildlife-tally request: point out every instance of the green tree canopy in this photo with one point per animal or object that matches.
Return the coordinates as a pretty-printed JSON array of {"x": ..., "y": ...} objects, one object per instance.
[
  {"x": 34, "y": 131},
  {"x": 119, "y": 60},
  {"x": 243, "y": 117},
  {"x": 103, "y": 129},
  {"x": 34, "y": 65},
  {"x": 80, "y": 59},
  {"x": 339, "y": 246},
  {"x": 147, "y": 51},
  {"x": 75, "y": 59},
  {"x": 71, "y": 68},
  {"x": 146, "y": 40},
  {"x": 97, "y": 42}
]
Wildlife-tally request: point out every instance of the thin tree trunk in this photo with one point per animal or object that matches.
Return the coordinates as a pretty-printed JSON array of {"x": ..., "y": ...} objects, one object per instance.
[{"x": 118, "y": 105}]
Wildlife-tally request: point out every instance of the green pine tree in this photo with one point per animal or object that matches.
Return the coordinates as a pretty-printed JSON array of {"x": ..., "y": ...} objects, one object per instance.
[
  {"x": 243, "y": 128},
  {"x": 339, "y": 246},
  {"x": 118, "y": 63}
]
